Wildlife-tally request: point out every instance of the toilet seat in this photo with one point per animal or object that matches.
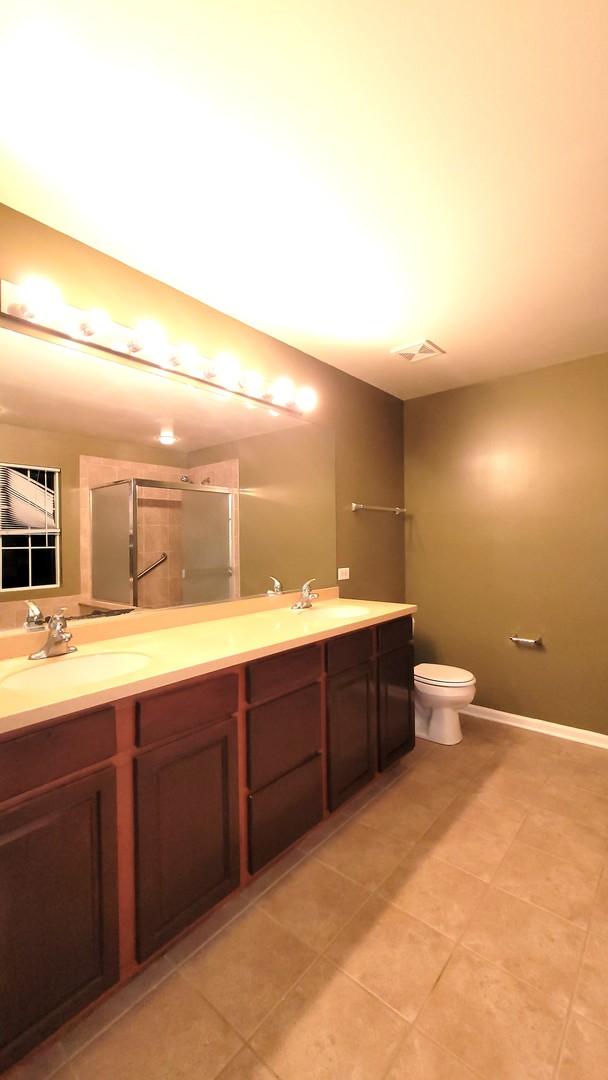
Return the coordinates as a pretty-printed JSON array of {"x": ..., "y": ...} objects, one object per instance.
[{"x": 442, "y": 675}]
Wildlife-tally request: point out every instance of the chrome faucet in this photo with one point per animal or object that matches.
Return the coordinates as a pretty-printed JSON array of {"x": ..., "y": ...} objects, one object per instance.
[
  {"x": 57, "y": 643},
  {"x": 277, "y": 588},
  {"x": 306, "y": 596},
  {"x": 34, "y": 619}
]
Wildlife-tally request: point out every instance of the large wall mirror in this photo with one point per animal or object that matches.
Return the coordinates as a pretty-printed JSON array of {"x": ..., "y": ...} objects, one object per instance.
[{"x": 123, "y": 487}]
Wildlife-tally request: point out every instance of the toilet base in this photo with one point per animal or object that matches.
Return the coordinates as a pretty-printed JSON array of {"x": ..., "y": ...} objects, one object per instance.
[{"x": 439, "y": 725}]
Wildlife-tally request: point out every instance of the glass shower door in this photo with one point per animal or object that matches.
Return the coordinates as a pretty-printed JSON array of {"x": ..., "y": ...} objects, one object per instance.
[
  {"x": 111, "y": 543},
  {"x": 207, "y": 557}
]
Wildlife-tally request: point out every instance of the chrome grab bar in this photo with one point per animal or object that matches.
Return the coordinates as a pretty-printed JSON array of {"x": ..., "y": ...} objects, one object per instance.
[
  {"x": 398, "y": 510},
  {"x": 163, "y": 558},
  {"x": 532, "y": 642}
]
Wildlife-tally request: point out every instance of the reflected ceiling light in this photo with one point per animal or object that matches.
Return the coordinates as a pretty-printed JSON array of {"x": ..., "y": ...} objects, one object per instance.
[
  {"x": 38, "y": 301},
  {"x": 166, "y": 437}
]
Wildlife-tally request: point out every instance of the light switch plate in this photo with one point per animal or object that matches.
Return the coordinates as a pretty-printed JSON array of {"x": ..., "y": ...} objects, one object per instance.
[{"x": 343, "y": 573}]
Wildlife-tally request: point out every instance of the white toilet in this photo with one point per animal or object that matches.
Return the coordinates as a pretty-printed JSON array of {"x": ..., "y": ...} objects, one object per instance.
[{"x": 440, "y": 691}]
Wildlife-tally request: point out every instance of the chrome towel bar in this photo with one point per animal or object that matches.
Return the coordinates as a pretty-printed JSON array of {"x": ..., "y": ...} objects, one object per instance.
[
  {"x": 397, "y": 510},
  {"x": 531, "y": 642}
]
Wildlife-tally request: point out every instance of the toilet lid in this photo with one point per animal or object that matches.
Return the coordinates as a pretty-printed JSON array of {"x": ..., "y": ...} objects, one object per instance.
[{"x": 442, "y": 675}]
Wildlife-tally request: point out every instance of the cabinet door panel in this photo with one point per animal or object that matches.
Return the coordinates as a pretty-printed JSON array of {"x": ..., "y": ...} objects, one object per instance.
[
  {"x": 58, "y": 909},
  {"x": 282, "y": 812},
  {"x": 187, "y": 831},
  {"x": 351, "y": 727},
  {"x": 282, "y": 734},
  {"x": 395, "y": 705}
]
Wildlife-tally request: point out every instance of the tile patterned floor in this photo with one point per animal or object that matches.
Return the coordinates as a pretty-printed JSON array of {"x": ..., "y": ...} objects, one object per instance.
[{"x": 450, "y": 923}]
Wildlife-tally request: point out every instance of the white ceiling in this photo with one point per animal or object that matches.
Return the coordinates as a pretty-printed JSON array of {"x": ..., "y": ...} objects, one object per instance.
[
  {"x": 64, "y": 388},
  {"x": 345, "y": 175}
]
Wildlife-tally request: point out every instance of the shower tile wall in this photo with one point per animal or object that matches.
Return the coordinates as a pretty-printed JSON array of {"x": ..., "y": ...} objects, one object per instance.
[{"x": 159, "y": 532}]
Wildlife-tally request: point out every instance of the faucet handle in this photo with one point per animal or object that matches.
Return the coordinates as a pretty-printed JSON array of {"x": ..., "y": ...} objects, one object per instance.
[
  {"x": 58, "y": 619},
  {"x": 34, "y": 619}
]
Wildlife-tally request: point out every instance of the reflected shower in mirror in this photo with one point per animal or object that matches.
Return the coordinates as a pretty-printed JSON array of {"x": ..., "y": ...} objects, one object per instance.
[{"x": 169, "y": 492}]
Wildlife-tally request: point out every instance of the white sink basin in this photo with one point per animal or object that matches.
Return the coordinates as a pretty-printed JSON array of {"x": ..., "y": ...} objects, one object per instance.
[{"x": 74, "y": 671}]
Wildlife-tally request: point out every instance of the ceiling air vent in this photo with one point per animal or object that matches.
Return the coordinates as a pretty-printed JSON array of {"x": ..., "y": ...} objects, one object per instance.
[{"x": 419, "y": 351}]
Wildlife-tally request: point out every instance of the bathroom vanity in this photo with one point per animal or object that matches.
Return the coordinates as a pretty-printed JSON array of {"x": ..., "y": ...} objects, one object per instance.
[{"x": 133, "y": 805}]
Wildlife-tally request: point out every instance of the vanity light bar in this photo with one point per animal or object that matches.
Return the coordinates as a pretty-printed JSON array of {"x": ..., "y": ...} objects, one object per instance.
[{"x": 39, "y": 303}]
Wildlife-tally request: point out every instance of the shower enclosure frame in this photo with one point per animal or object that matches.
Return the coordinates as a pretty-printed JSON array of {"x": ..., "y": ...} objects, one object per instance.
[{"x": 171, "y": 485}]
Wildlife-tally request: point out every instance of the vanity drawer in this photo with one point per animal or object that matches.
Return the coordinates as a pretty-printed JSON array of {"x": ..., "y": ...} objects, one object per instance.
[
  {"x": 395, "y": 634},
  {"x": 279, "y": 674},
  {"x": 349, "y": 651},
  {"x": 284, "y": 811},
  {"x": 164, "y": 714},
  {"x": 64, "y": 747},
  {"x": 282, "y": 734}
]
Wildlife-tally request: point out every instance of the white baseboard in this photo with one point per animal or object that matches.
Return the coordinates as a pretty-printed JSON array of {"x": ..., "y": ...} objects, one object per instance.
[{"x": 545, "y": 727}]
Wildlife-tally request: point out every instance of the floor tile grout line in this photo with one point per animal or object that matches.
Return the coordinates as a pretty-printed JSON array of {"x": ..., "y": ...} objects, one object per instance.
[
  {"x": 577, "y": 980},
  {"x": 451, "y": 1053}
]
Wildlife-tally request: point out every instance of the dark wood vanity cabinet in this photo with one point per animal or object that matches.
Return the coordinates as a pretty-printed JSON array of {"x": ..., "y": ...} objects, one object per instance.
[
  {"x": 58, "y": 907},
  {"x": 284, "y": 751},
  {"x": 351, "y": 731},
  {"x": 186, "y": 810},
  {"x": 181, "y": 778},
  {"x": 395, "y": 691},
  {"x": 351, "y": 715}
]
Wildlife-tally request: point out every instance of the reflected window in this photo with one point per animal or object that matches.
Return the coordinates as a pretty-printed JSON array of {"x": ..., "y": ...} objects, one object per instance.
[{"x": 29, "y": 527}]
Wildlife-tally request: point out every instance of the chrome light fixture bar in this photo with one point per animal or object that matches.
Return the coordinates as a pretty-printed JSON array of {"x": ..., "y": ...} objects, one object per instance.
[{"x": 38, "y": 302}]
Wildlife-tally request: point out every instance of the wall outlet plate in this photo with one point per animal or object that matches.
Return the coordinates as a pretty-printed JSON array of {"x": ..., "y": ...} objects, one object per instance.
[{"x": 343, "y": 573}]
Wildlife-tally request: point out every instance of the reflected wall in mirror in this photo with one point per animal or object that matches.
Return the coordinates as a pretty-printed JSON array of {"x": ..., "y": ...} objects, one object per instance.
[{"x": 170, "y": 493}]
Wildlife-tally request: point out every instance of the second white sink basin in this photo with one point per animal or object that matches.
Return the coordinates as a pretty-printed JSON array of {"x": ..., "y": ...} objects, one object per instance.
[{"x": 74, "y": 671}]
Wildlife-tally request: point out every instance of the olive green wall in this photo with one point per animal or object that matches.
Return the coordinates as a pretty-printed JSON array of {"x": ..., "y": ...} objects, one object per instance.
[
  {"x": 287, "y": 510},
  {"x": 507, "y": 485},
  {"x": 367, "y": 423},
  {"x": 55, "y": 450}
]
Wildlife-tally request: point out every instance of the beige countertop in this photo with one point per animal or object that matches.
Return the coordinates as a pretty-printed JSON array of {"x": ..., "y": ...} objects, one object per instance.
[{"x": 168, "y": 655}]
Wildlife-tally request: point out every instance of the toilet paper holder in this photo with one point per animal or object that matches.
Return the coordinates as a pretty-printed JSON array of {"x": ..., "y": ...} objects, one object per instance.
[{"x": 532, "y": 643}]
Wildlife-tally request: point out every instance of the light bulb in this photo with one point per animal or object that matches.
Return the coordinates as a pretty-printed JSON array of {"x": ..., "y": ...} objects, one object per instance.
[
  {"x": 283, "y": 391},
  {"x": 150, "y": 338},
  {"x": 187, "y": 357},
  {"x": 252, "y": 383},
  {"x": 227, "y": 370},
  {"x": 41, "y": 299},
  {"x": 166, "y": 437},
  {"x": 306, "y": 399},
  {"x": 95, "y": 323}
]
